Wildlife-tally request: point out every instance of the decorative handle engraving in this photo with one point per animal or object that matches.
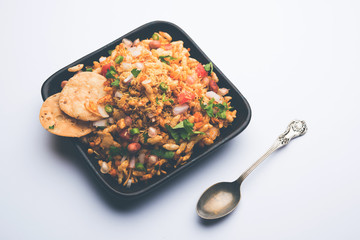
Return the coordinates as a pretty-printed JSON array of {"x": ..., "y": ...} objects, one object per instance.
[{"x": 295, "y": 129}]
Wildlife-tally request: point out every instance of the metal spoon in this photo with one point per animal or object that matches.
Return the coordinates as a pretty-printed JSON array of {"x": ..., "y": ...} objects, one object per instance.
[{"x": 222, "y": 198}]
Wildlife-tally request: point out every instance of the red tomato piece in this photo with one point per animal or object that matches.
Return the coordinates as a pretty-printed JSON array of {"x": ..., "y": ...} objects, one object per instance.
[
  {"x": 105, "y": 68},
  {"x": 200, "y": 70},
  {"x": 185, "y": 97}
]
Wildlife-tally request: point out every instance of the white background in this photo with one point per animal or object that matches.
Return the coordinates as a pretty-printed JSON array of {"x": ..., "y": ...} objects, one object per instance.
[{"x": 290, "y": 59}]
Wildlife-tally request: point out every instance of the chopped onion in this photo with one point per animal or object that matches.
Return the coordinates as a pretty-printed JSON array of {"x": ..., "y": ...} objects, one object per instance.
[
  {"x": 102, "y": 59},
  {"x": 118, "y": 94},
  {"x": 152, "y": 132},
  {"x": 152, "y": 159},
  {"x": 126, "y": 66},
  {"x": 111, "y": 120},
  {"x": 139, "y": 65},
  {"x": 132, "y": 162},
  {"x": 179, "y": 109},
  {"x": 146, "y": 81},
  {"x": 141, "y": 157},
  {"x": 123, "y": 159},
  {"x": 104, "y": 167},
  {"x": 136, "y": 42},
  {"x": 128, "y": 185},
  {"x": 223, "y": 91},
  {"x": 135, "y": 51},
  {"x": 100, "y": 123},
  {"x": 102, "y": 111},
  {"x": 129, "y": 78},
  {"x": 212, "y": 94},
  {"x": 127, "y": 43}
]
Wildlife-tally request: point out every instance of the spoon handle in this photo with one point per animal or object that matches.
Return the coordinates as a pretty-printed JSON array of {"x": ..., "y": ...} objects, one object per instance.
[{"x": 295, "y": 129}]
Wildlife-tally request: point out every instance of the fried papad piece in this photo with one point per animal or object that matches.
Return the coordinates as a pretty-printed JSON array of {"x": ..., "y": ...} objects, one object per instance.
[
  {"x": 58, "y": 123},
  {"x": 81, "y": 94}
]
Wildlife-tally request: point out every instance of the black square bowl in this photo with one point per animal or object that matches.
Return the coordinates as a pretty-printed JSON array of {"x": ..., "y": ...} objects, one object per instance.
[{"x": 52, "y": 86}]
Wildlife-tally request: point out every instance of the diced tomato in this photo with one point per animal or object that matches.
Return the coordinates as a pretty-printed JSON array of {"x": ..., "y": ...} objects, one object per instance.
[
  {"x": 185, "y": 97},
  {"x": 105, "y": 68},
  {"x": 200, "y": 70}
]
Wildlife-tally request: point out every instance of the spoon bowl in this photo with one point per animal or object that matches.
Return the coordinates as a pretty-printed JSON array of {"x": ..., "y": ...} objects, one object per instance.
[
  {"x": 222, "y": 198},
  {"x": 219, "y": 200}
]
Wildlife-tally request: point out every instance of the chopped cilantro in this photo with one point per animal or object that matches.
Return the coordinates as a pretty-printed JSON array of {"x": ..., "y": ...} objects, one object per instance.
[
  {"x": 113, "y": 151},
  {"x": 116, "y": 83},
  {"x": 183, "y": 130},
  {"x": 162, "y": 153},
  {"x": 162, "y": 58},
  {"x": 110, "y": 52},
  {"x": 52, "y": 127},
  {"x": 173, "y": 133},
  {"x": 88, "y": 69},
  {"x": 111, "y": 73},
  {"x": 222, "y": 107},
  {"x": 209, "y": 108},
  {"x": 123, "y": 151},
  {"x": 135, "y": 72},
  {"x": 165, "y": 100}
]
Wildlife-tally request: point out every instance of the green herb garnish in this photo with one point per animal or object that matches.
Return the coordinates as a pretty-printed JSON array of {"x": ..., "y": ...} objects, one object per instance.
[
  {"x": 165, "y": 100},
  {"x": 110, "y": 52},
  {"x": 88, "y": 69},
  {"x": 140, "y": 167},
  {"x": 111, "y": 73},
  {"x": 155, "y": 36},
  {"x": 134, "y": 131},
  {"x": 174, "y": 134},
  {"x": 109, "y": 108},
  {"x": 162, "y": 153},
  {"x": 183, "y": 130},
  {"x": 113, "y": 151},
  {"x": 163, "y": 87},
  {"x": 209, "y": 108},
  {"x": 146, "y": 137},
  {"x": 222, "y": 108},
  {"x": 116, "y": 83},
  {"x": 209, "y": 67},
  {"x": 119, "y": 59},
  {"x": 52, "y": 127},
  {"x": 162, "y": 58},
  {"x": 135, "y": 72}
]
